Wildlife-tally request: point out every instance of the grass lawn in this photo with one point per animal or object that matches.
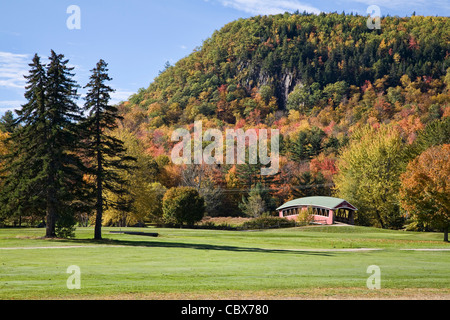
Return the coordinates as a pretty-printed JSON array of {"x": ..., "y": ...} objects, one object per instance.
[{"x": 296, "y": 263}]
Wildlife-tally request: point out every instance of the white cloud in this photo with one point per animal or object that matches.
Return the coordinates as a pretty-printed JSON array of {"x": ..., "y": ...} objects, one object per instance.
[
  {"x": 267, "y": 7},
  {"x": 412, "y": 4},
  {"x": 392, "y": 3},
  {"x": 13, "y": 67},
  {"x": 10, "y": 105},
  {"x": 120, "y": 95}
]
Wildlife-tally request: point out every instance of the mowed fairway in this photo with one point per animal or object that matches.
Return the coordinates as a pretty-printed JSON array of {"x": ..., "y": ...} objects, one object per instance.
[{"x": 297, "y": 263}]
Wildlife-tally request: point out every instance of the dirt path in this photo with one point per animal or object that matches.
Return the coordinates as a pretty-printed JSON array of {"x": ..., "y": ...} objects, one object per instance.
[
  {"x": 57, "y": 247},
  {"x": 332, "y": 250},
  {"x": 301, "y": 249},
  {"x": 425, "y": 249}
]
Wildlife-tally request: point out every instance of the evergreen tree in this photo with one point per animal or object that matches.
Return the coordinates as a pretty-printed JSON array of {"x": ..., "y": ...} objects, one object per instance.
[
  {"x": 258, "y": 202},
  {"x": 309, "y": 185},
  {"x": 307, "y": 145},
  {"x": 254, "y": 205},
  {"x": 7, "y": 122},
  {"x": 22, "y": 177},
  {"x": 106, "y": 153},
  {"x": 434, "y": 134},
  {"x": 63, "y": 168},
  {"x": 44, "y": 175}
]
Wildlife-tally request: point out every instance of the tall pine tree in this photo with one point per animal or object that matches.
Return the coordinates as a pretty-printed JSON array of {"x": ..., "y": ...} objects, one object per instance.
[
  {"x": 44, "y": 173},
  {"x": 22, "y": 178},
  {"x": 106, "y": 153},
  {"x": 63, "y": 168}
]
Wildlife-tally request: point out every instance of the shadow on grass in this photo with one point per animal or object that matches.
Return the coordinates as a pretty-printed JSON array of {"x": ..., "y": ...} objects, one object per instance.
[{"x": 184, "y": 245}]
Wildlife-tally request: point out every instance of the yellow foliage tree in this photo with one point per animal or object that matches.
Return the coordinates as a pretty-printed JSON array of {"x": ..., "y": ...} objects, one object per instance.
[{"x": 368, "y": 176}]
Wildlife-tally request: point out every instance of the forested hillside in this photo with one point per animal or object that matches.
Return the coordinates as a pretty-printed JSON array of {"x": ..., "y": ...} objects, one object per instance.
[
  {"x": 325, "y": 81},
  {"x": 255, "y": 64}
]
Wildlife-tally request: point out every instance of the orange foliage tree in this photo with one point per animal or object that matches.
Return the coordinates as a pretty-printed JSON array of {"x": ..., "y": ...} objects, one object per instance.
[{"x": 425, "y": 191}]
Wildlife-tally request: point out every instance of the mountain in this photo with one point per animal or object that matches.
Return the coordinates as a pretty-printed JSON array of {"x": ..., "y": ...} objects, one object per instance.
[{"x": 268, "y": 57}]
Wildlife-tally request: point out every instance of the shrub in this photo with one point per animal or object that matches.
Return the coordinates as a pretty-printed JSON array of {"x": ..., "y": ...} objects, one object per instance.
[
  {"x": 268, "y": 223},
  {"x": 65, "y": 226},
  {"x": 305, "y": 217}
]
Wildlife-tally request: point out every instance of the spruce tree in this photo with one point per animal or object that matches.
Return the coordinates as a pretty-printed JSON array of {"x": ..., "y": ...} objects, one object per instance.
[
  {"x": 106, "y": 153},
  {"x": 66, "y": 189},
  {"x": 64, "y": 170},
  {"x": 7, "y": 122},
  {"x": 44, "y": 173},
  {"x": 22, "y": 178}
]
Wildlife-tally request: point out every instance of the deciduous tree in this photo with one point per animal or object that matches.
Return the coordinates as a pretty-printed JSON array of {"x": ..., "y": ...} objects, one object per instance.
[
  {"x": 368, "y": 176},
  {"x": 183, "y": 205},
  {"x": 425, "y": 191}
]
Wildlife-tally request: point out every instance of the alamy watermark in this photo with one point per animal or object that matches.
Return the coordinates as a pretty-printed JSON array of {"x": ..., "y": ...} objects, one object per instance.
[
  {"x": 74, "y": 280},
  {"x": 73, "y": 22},
  {"x": 374, "y": 20},
  {"x": 255, "y": 139},
  {"x": 374, "y": 281}
]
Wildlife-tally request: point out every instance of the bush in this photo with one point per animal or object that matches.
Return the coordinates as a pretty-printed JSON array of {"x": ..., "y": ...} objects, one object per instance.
[
  {"x": 268, "y": 223},
  {"x": 183, "y": 205},
  {"x": 65, "y": 226},
  {"x": 213, "y": 226},
  {"x": 305, "y": 217}
]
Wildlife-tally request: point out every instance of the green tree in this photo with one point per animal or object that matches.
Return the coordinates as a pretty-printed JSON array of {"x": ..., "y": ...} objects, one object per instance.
[
  {"x": 22, "y": 176},
  {"x": 308, "y": 144},
  {"x": 248, "y": 174},
  {"x": 63, "y": 168},
  {"x": 183, "y": 205},
  {"x": 45, "y": 173},
  {"x": 266, "y": 92},
  {"x": 258, "y": 202},
  {"x": 335, "y": 91},
  {"x": 7, "y": 122},
  {"x": 435, "y": 133},
  {"x": 304, "y": 97},
  {"x": 308, "y": 185},
  {"x": 106, "y": 153},
  {"x": 368, "y": 176},
  {"x": 200, "y": 177}
]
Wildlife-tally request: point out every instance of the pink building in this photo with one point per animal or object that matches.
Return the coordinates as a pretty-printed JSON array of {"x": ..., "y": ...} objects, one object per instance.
[{"x": 326, "y": 210}]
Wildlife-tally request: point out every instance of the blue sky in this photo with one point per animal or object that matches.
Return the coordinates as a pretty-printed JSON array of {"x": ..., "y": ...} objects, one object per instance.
[{"x": 137, "y": 37}]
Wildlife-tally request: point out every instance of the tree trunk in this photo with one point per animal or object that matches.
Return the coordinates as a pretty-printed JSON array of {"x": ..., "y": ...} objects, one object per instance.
[
  {"x": 99, "y": 217},
  {"x": 380, "y": 220},
  {"x": 51, "y": 219},
  {"x": 446, "y": 234},
  {"x": 51, "y": 210}
]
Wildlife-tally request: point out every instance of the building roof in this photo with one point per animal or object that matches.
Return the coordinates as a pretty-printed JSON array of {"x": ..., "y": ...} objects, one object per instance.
[{"x": 322, "y": 202}]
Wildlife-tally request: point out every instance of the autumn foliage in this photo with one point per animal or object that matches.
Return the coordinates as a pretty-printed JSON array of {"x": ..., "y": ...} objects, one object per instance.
[
  {"x": 316, "y": 78},
  {"x": 425, "y": 188},
  {"x": 350, "y": 105}
]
